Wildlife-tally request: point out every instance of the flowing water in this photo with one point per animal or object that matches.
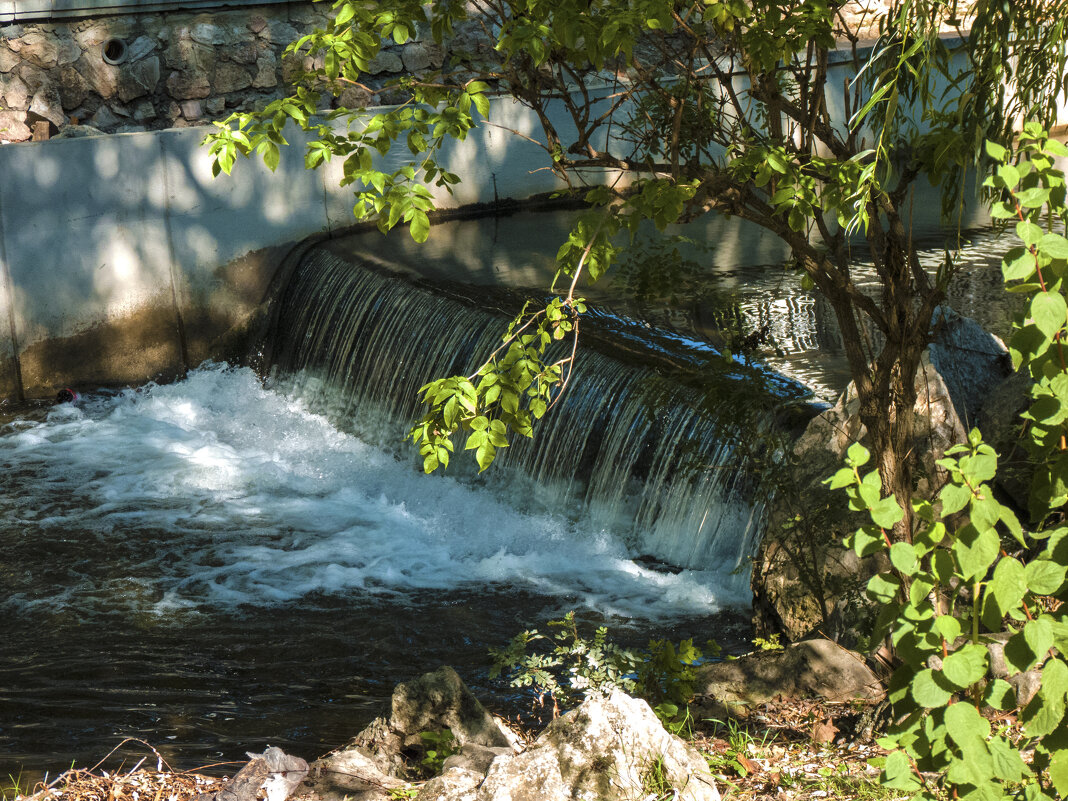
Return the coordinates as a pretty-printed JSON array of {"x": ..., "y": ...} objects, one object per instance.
[{"x": 216, "y": 564}]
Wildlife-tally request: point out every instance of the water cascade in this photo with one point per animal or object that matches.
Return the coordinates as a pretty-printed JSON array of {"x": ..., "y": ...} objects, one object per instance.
[{"x": 627, "y": 449}]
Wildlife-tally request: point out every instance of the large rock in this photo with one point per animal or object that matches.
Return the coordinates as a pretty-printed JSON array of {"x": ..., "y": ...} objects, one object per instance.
[
  {"x": 970, "y": 360},
  {"x": 1000, "y": 422},
  {"x": 804, "y": 578},
  {"x": 611, "y": 747},
  {"x": 188, "y": 85},
  {"x": 349, "y": 774},
  {"x": 440, "y": 700},
  {"x": 266, "y": 71},
  {"x": 378, "y": 759},
  {"x": 103, "y": 78},
  {"x": 808, "y": 669}
]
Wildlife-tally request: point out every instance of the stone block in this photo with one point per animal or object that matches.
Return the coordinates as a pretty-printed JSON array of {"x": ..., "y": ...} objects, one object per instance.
[
  {"x": 354, "y": 97},
  {"x": 102, "y": 78},
  {"x": 415, "y": 57},
  {"x": 209, "y": 33},
  {"x": 67, "y": 51},
  {"x": 99, "y": 32},
  {"x": 16, "y": 93},
  {"x": 256, "y": 23},
  {"x": 279, "y": 32},
  {"x": 231, "y": 78},
  {"x": 192, "y": 109},
  {"x": 189, "y": 56},
  {"x": 385, "y": 61},
  {"x": 39, "y": 49},
  {"x": 188, "y": 86},
  {"x": 243, "y": 52},
  {"x": 13, "y": 126},
  {"x": 47, "y": 103},
  {"x": 293, "y": 68},
  {"x": 144, "y": 111},
  {"x": 215, "y": 105},
  {"x": 8, "y": 58},
  {"x": 140, "y": 47},
  {"x": 138, "y": 79},
  {"x": 266, "y": 71},
  {"x": 105, "y": 119},
  {"x": 73, "y": 88}
]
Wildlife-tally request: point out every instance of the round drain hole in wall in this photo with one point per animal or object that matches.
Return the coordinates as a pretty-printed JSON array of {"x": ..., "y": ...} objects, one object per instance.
[{"x": 114, "y": 51}]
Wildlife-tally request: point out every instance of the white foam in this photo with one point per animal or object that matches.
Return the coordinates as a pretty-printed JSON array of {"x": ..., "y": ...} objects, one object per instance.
[{"x": 216, "y": 491}]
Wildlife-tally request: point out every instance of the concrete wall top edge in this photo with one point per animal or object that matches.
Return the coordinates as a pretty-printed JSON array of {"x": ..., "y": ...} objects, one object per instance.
[{"x": 30, "y": 10}]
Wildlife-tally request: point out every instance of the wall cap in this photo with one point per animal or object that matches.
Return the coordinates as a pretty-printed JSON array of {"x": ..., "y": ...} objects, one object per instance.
[{"x": 39, "y": 10}]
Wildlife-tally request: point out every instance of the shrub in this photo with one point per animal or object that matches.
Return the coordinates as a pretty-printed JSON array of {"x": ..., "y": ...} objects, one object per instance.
[{"x": 969, "y": 569}]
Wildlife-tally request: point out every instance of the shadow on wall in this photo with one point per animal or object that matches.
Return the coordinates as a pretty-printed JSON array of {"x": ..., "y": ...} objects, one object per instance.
[{"x": 123, "y": 258}]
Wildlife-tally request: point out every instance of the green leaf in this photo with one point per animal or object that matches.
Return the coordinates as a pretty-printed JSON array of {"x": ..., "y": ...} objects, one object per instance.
[
  {"x": 1046, "y": 710},
  {"x": 995, "y": 151},
  {"x": 964, "y": 724},
  {"x": 903, "y": 557},
  {"x": 886, "y": 512},
  {"x": 1000, "y": 695},
  {"x": 1033, "y": 198},
  {"x": 930, "y": 689},
  {"x": 419, "y": 226},
  {"x": 1054, "y": 245},
  {"x": 1018, "y": 264},
  {"x": 271, "y": 156},
  {"x": 1039, "y": 636},
  {"x": 943, "y": 566},
  {"x": 966, "y": 666},
  {"x": 1058, "y": 772},
  {"x": 1044, "y": 577},
  {"x": 1004, "y": 592},
  {"x": 1049, "y": 312},
  {"x": 954, "y": 498},
  {"x": 898, "y": 774},
  {"x": 883, "y": 588},
  {"x": 1028, "y": 232},
  {"x": 975, "y": 550},
  {"x": 857, "y": 455},
  {"x": 1008, "y": 764},
  {"x": 844, "y": 477}
]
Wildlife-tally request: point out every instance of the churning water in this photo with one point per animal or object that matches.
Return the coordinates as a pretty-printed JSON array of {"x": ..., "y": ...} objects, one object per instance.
[{"x": 211, "y": 566}]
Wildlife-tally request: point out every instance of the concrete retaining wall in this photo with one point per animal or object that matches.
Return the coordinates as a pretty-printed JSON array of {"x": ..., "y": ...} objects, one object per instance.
[{"x": 122, "y": 258}]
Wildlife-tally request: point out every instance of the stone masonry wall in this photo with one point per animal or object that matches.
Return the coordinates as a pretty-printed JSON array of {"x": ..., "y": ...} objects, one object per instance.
[
  {"x": 136, "y": 72},
  {"x": 170, "y": 69}
]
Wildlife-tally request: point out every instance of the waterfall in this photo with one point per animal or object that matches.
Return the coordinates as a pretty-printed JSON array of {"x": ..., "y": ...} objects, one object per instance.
[{"x": 627, "y": 449}]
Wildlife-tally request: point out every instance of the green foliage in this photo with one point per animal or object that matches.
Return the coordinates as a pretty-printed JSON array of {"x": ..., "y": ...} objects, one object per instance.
[
  {"x": 969, "y": 568},
  {"x": 14, "y": 789},
  {"x": 567, "y": 665},
  {"x": 703, "y": 105},
  {"x": 655, "y": 784},
  {"x": 515, "y": 386},
  {"x": 767, "y": 643},
  {"x": 440, "y": 745}
]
